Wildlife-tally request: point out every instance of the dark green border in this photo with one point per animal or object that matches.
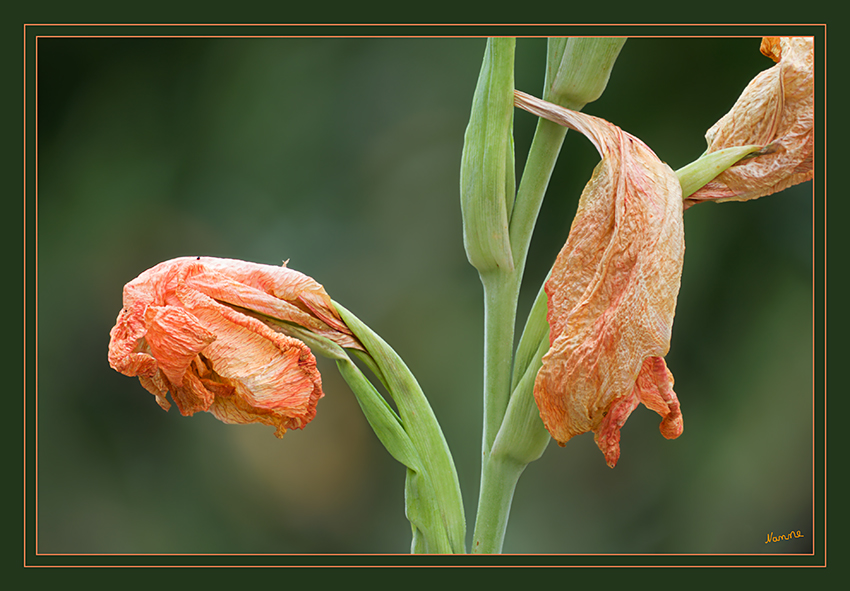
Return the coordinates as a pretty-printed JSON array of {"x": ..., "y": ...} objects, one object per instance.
[
  {"x": 31, "y": 559},
  {"x": 414, "y": 30}
]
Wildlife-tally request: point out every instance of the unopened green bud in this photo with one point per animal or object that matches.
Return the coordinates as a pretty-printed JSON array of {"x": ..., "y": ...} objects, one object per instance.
[
  {"x": 578, "y": 68},
  {"x": 487, "y": 176}
]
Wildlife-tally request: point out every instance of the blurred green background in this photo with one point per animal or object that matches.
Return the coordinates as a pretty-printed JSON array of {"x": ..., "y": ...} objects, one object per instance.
[{"x": 342, "y": 155}]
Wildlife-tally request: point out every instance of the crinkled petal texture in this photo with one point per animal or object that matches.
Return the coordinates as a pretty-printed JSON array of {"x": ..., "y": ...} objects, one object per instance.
[
  {"x": 185, "y": 329},
  {"x": 612, "y": 296},
  {"x": 775, "y": 109}
]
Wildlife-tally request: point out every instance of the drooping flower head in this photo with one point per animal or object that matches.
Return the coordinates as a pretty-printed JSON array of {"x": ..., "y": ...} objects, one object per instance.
[
  {"x": 612, "y": 292},
  {"x": 193, "y": 326},
  {"x": 775, "y": 110}
]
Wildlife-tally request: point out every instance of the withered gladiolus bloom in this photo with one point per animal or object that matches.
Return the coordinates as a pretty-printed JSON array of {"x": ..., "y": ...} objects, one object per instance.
[
  {"x": 185, "y": 329},
  {"x": 612, "y": 292},
  {"x": 776, "y": 109}
]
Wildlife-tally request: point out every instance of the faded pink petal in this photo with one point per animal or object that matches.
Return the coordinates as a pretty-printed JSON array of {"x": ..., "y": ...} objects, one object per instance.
[
  {"x": 184, "y": 330},
  {"x": 612, "y": 292},
  {"x": 776, "y": 109}
]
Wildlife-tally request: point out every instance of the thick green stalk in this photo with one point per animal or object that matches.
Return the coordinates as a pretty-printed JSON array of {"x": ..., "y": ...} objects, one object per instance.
[
  {"x": 577, "y": 72},
  {"x": 501, "y": 286},
  {"x": 501, "y": 292},
  {"x": 499, "y": 312},
  {"x": 499, "y": 477},
  {"x": 542, "y": 156},
  {"x": 521, "y": 437},
  {"x": 521, "y": 440}
]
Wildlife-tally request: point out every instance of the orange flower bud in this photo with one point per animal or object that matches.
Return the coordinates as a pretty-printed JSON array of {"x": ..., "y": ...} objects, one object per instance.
[
  {"x": 612, "y": 292},
  {"x": 192, "y": 326},
  {"x": 775, "y": 110}
]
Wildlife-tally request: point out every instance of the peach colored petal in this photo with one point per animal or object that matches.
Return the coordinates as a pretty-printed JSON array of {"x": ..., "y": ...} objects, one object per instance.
[
  {"x": 232, "y": 289},
  {"x": 125, "y": 355},
  {"x": 607, "y": 434},
  {"x": 175, "y": 338},
  {"x": 185, "y": 330},
  {"x": 272, "y": 373},
  {"x": 612, "y": 291},
  {"x": 654, "y": 386},
  {"x": 191, "y": 395},
  {"x": 157, "y": 385},
  {"x": 284, "y": 284},
  {"x": 776, "y": 109}
]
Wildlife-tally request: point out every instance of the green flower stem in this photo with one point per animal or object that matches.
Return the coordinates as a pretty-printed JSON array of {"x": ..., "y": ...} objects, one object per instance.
[
  {"x": 499, "y": 313},
  {"x": 432, "y": 491},
  {"x": 501, "y": 287},
  {"x": 420, "y": 494},
  {"x": 499, "y": 477},
  {"x": 577, "y": 73},
  {"x": 521, "y": 437},
  {"x": 501, "y": 293},
  {"x": 542, "y": 156},
  {"x": 521, "y": 440}
]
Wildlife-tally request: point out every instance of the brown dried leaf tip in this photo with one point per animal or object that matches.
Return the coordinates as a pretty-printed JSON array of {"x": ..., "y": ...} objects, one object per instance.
[
  {"x": 776, "y": 110},
  {"x": 185, "y": 329},
  {"x": 612, "y": 292}
]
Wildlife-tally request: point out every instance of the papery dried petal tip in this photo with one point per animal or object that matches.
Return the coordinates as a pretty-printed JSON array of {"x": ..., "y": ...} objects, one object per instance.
[
  {"x": 771, "y": 47},
  {"x": 203, "y": 330},
  {"x": 776, "y": 107},
  {"x": 612, "y": 292}
]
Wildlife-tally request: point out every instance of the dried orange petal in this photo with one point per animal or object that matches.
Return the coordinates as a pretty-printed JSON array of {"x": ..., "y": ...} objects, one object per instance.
[
  {"x": 612, "y": 292},
  {"x": 776, "y": 109}
]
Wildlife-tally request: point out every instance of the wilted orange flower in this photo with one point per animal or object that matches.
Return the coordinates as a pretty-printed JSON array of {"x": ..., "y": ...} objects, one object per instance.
[
  {"x": 776, "y": 110},
  {"x": 612, "y": 292},
  {"x": 185, "y": 329}
]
